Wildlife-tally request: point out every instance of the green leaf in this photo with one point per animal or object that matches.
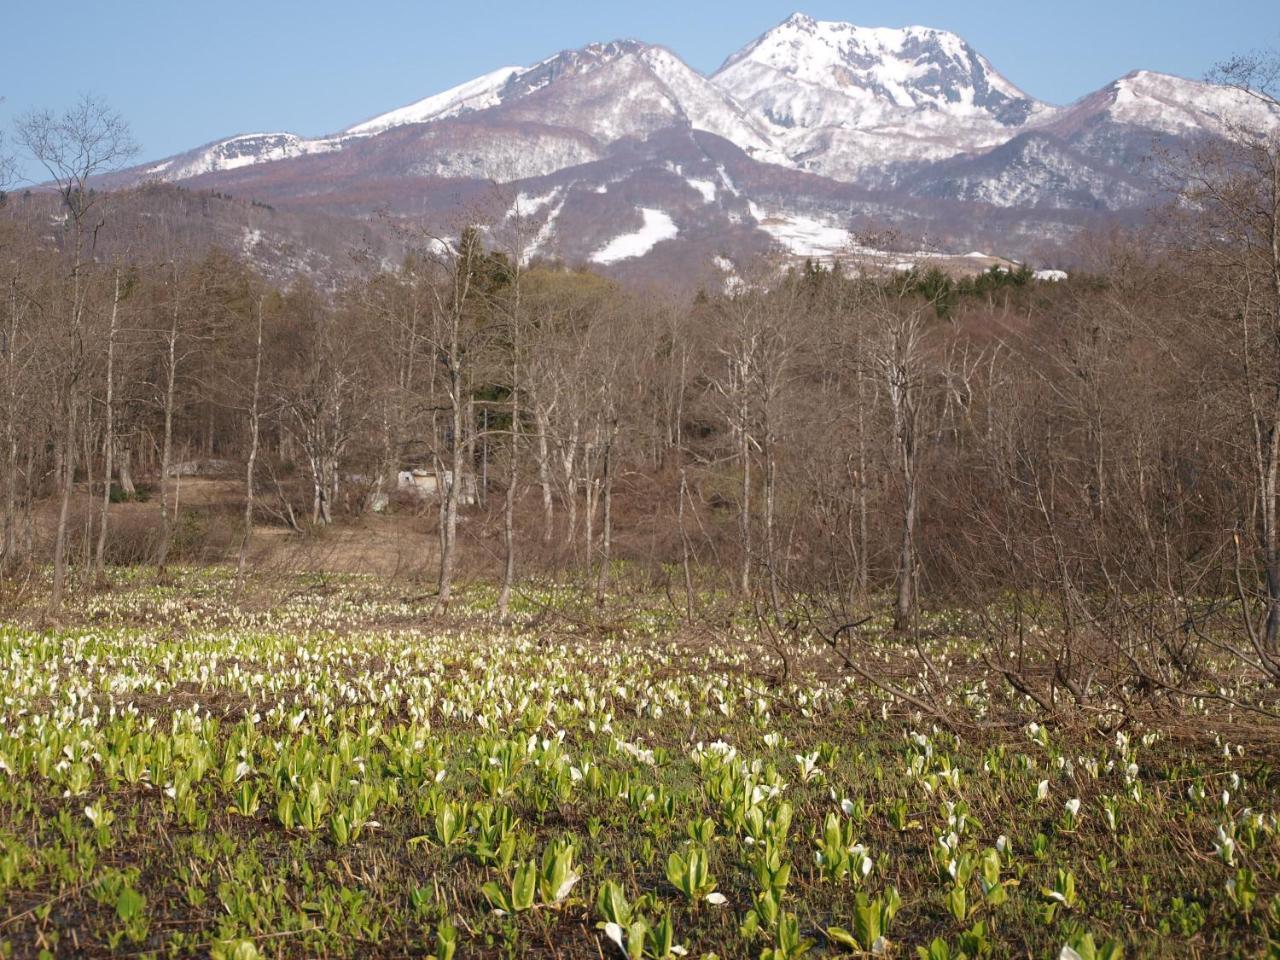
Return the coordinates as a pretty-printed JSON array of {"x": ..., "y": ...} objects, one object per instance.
[
  {"x": 129, "y": 904},
  {"x": 843, "y": 937}
]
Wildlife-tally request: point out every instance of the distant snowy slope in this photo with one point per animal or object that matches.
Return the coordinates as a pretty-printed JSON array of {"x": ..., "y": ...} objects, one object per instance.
[
  {"x": 235, "y": 152},
  {"x": 560, "y": 111},
  {"x": 477, "y": 94},
  {"x": 1162, "y": 103}
]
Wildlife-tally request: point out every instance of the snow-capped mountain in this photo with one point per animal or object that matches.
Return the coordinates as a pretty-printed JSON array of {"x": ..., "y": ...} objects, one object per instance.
[
  {"x": 1106, "y": 150},
  {"x": 623, "y": 154},
  {"x": 1119, "y": 124},
  {"x": 579, "y": 101},
  {"x": 626, "y": 89},
  {"x": 853, "y": 102},
  {"x": 1166, "y": 104}
]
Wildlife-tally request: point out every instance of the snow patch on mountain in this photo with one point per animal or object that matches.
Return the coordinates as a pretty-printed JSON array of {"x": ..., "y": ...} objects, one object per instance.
[
  {"x": 528, "y": 206},
  {"x": 250, "y": 238},
  {"x": 705, "y": 187},
  {"x": 727, "y": 181},
  {"x": 803, "y": 236},
  {"x": 733, "y": 284},
  {"x": 658, "y": 226},
  {"x": 546, "y": 233}
]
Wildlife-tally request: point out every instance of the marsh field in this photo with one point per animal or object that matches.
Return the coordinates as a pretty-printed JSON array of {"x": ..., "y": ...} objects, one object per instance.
[
  {"x": 827, "y": 507},
  {"x": 313, "y": 766}
]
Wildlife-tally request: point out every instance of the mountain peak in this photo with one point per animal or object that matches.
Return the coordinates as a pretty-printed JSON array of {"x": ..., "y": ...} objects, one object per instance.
[
  {"x": 799, "y": 20},
  {"x": 854, "y": 98},
  {"x": 616, "y": 48},
  {"x": 907, "y": 67},
  {"x": 494, "y": 88},
  {"x": 596, "y": 53}
]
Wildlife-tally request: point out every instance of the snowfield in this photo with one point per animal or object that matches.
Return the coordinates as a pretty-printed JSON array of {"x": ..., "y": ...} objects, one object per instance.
[
  {"x": 802, "y": 236},
  {"x": 705, "y": 187},
  {"x": 658, "y": 226}
]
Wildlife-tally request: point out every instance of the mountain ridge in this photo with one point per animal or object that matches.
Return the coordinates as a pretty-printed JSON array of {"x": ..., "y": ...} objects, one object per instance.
[{"x": 882, "y": 116}]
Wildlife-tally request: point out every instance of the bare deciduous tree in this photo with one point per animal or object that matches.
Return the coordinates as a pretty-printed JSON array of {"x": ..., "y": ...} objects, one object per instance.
[{"x": 84, "y": 141}]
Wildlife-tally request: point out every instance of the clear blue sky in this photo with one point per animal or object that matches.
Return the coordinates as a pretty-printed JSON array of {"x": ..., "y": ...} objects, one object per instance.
[{"x": 186, "y": 72}]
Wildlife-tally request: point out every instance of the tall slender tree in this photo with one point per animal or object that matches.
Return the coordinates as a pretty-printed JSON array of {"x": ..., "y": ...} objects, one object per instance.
[{"x": 87, "y": 139}]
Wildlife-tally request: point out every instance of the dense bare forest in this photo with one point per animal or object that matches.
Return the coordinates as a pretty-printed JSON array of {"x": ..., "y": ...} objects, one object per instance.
[{"x": 1100, "y": 455}]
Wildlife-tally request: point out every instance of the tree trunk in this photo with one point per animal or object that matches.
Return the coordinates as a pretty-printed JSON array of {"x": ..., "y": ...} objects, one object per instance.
[
  {"x": 252, "y": 459},
  {"x": 109, "y": 435},
  {"x": 166, "y": 448},
  {"x": 124, "y": 470},
  {"x": 509, "y": 510},
  {"x": 770, "y": 502},
  {"x": 1271, "y": 539},
  {"x": 685, "y": 560},
  {"x": 744, "y": 506},
  {"x": 88, "y": 455},
  {"x": 592, "y": 484},
  {"x": 544, "y": 474},
  {"x": 469, "y": 448},
  {"x": 606, "y": 532},
  {"x": 319, "y": 512},
  {"x": 450, "y": 517},
  {"x": 28, "y": 506},
  {"x": 864, "y": 565},
  {"x": 10, "y": 495},
  {"x": 335, "y": 483},
  {"x": 67, "y": 475},
  {"x": 1270, "y": 470},
  {"x": 568, "y": 464},
  {"x": 904, "y": 605},
  {"x": 11, "y": 438},
  {"x": 899, "y": 364}
]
